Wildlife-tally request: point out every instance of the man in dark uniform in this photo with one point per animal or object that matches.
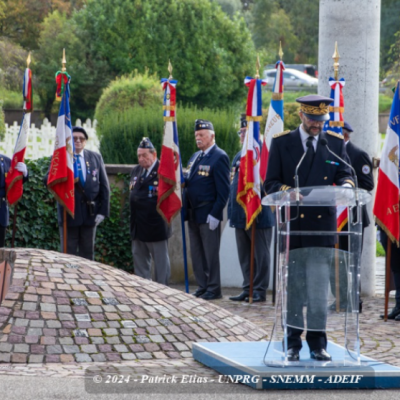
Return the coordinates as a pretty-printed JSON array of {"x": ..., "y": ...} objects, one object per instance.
[
  {"x": 5, "y": 164},
  {"x": 206, "y": 194},
  {"x": 149, "y": 231},
  {"x": 308, "y": 275},
  {"x": 263, "y": 235},
  {"x": 92, "y": 199},
  {"x": 395, "y": 268},
  {"x": 362, "y": 164}
]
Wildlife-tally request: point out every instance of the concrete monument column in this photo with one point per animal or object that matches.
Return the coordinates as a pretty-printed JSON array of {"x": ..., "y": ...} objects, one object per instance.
[{"x": 355, "y": 26}]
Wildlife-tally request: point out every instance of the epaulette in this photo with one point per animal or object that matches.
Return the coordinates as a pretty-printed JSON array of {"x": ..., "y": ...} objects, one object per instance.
[
  {"x": 338, "y": 135},
  {"x": 280, "y": 134}
]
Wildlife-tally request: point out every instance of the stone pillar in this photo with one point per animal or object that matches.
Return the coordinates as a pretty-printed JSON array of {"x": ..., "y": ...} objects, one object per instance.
[{"x": 355, "y": 25}]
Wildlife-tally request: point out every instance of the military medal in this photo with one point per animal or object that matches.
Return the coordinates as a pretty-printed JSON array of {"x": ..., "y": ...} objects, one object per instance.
[
  {"x": 155, "y": 182},
  {"x": 94, "y": 174},
  {"x": 150, "y": 191}
]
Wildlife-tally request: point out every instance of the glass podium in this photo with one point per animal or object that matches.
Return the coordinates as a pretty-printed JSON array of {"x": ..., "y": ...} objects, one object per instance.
[{"x": 317, "y": 284}]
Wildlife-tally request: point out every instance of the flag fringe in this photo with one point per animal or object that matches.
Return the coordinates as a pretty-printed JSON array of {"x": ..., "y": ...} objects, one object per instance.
[{"x": 387, "y": 231}]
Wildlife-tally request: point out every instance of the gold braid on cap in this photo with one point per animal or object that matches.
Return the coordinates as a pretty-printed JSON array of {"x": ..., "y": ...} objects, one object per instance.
[{"x": 314, "y": 110}]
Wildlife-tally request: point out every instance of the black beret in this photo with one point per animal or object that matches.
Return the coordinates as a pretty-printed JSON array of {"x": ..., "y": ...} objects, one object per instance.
[
  {"x": 81, "y": 130},
  {"x": 146, "y": 144},
  {"x": 203, "y": 124}
]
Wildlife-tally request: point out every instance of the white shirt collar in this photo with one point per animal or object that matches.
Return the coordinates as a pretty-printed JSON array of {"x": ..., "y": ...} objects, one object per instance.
[
  {"x": 304, "y": 136},
  {"x": 151, "y": 168}
]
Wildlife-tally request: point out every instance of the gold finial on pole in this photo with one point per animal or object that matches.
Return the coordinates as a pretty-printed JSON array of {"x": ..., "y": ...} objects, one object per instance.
[
  {"x": 258, "y": 67},
  {"x": 28, "y": 60},
  {"x": 280, "y": 50},
  {"x": 170, "y": 69},
  {"x": 64, "y": 61},
  {"x": 336, "y": 57}
]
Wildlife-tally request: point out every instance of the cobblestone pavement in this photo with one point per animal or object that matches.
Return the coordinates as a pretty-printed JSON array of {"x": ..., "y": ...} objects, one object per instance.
[{"x": 64, "y": 314}]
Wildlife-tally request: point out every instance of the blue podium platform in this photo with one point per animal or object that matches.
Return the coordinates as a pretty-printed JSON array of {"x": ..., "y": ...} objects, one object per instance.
[{"x": 242, "y": 362}]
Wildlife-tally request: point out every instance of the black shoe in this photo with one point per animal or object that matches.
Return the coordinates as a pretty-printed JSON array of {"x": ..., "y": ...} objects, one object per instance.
[
  {"x": 242, "y": 296},
  {"x": 397, "y": 318},
  {"x": 393, "y": 314},
  {"x": 293, "y": 355},
  {"x": 199, "y": 292},
  {"x": 321, "y": 355},
  {"x": 211, "y": 296},
  {"x": 257, "y": 298}
]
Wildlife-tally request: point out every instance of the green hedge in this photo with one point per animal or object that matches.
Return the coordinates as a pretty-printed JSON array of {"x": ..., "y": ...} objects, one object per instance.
[
  {"x": 120, "y": 133},
  {"x": 38, "y": 227}
]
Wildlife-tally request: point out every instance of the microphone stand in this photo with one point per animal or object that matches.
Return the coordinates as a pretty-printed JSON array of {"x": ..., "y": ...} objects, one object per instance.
[{"x": 324, "y": 142}]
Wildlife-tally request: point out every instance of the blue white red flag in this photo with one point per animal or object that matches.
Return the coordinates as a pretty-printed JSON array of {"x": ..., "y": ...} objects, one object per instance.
[
  {"x": 335, "y": 124},
  {"x": 61, "y": 177},
  {"x": 386, "y": 207},
  {"x": 249, "y": 189},
  {"x": 169, "y": 201},
  {"x": 275, "y": 118},
  {"x": 14, "y": 177}
]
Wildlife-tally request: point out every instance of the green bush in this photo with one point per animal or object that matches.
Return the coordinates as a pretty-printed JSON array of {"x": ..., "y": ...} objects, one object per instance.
[
  {"x": 37, "y": 225},
  {"x": 121, "y": 133},
  {"x": 142, "y": 90},
  {"x": 2, "y": 125}
]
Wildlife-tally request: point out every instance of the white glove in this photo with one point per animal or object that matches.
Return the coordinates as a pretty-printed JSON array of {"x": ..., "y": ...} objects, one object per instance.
[
  {"x": 99, "y": 219},
  {"x": 347, "y": 185},
  {"x": 213, "y": 222},
  {"x": 21, "y": 167}
]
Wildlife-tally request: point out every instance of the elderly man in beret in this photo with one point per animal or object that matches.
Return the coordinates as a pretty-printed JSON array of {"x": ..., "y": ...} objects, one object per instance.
[
  {"x": 92, "y": 199},
  {"x": 149, "y": 232},
  {"x": 206, "y": 194},
  {"x": 310, "y": 255}
]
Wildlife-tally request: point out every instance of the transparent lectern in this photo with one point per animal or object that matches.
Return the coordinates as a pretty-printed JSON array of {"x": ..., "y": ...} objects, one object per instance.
[{"x": 317, "y": 287}]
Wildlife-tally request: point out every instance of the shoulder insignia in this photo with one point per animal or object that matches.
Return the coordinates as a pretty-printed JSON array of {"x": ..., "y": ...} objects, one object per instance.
[
  {"x": 338, "y": 135},
  {"x": 280, "y": 134}
]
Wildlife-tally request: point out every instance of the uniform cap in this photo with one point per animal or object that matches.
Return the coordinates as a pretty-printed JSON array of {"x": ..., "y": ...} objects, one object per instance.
[{"x": 315, "y": 107}]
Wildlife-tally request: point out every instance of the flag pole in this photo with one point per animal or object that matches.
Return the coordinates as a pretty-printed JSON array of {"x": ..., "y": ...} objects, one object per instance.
[
  {"x": 183, "y": 230},
  {"x": 387, "y": 275},
  {"x": 253, "y": 227},
  {"x": 64, "y": 68}
]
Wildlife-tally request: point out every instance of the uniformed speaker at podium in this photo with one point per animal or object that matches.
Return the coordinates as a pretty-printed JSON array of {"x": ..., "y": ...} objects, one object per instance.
[{"x": 312, "y": 273}]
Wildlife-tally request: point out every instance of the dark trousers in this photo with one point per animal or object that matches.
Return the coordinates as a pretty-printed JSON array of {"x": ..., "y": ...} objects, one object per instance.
[
  {"x": 80, "y": 241},
  {"x": 204, "y": 246},
  {"x": 308, "y": 285},
  {"x": 2, "y": 235},
  {"x": 262, "y": 257},
  {"x": 394, "y": 264}
]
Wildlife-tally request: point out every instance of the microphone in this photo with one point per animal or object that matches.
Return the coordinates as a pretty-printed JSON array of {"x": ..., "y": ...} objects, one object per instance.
[
  {"x": 296, "y": 175},
  {"x": 324, "y": 142}
]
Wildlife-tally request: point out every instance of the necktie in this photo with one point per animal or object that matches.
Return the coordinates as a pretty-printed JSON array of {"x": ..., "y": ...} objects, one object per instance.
[
  {"x": 80, "y": 172},
  {"x": 309, "y": 155}
]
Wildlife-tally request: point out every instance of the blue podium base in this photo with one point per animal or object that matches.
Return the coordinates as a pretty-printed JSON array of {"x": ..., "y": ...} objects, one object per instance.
[{"x": 242, "y": 362}]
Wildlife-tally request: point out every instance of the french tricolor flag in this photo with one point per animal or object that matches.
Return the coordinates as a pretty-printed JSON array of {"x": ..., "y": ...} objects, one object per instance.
[
  {"x": 275, "y": 118},
  {"x": 61, "y": 177},
  {"x": 386, "y": 207},
  {"x": 249, "y": 190},
  {"x": 14, "y": 177},
  {"x": 169, "y": 201}
]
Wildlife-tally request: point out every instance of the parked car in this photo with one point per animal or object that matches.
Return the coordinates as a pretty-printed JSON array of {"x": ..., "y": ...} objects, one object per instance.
[
  {"x": 292, "y": 78},
  {"x": 308, "y": 69}
]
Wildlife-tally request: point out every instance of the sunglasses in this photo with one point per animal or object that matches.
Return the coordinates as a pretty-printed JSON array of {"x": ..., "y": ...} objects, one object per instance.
[{"x": 79, "y": 139}]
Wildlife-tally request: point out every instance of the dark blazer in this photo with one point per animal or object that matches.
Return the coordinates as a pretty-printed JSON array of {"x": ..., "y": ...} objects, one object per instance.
[
  {"x": 207, "y": 185},
  {"x": 5, "y": 164},
  {"x": 236, "y": 214},
  {"x": 147, "y": 225},
  {"x": 96, "y": 190},
  {"x": 285, "y": 153},
  {"x": 362, "y": 164}
]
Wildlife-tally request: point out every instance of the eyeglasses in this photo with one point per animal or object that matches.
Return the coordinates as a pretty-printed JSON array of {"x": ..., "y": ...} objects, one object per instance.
[{"x": 79, "y": 139}]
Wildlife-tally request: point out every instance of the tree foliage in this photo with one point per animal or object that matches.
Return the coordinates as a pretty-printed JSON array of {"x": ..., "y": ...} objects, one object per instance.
[
  {"x": 210, "y": 53},
  {"x": 86, "y": 72},
  {"x": 389, "y": 26},
  {"x": 20, "y": 19}
]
